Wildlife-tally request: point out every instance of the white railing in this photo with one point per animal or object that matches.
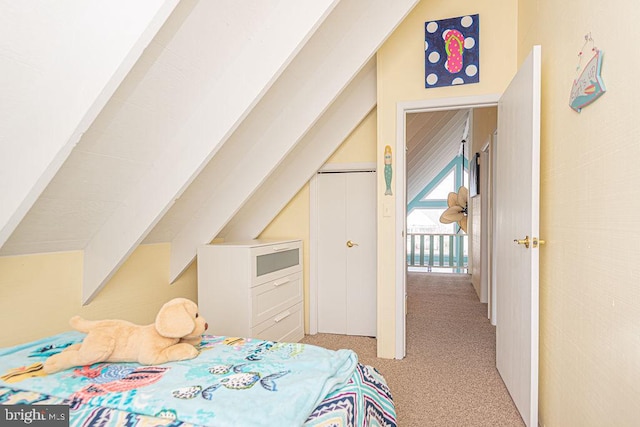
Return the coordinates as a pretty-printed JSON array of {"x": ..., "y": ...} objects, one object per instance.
[{"x": 431, "y": 251}]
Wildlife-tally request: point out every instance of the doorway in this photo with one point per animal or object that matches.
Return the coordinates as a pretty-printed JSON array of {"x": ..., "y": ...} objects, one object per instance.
[
  {"x": 403, "y": 109},
  {"x": 435, "y": 142}
]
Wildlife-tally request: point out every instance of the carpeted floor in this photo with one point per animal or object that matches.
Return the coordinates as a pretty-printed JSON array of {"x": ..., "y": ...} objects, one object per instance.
[{"x": 448, "y": 377}]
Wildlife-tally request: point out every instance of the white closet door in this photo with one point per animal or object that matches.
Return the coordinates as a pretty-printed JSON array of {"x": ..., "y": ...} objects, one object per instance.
[
  {"x": 347, "y": 253},
  {"x": 332, "y": 268}
]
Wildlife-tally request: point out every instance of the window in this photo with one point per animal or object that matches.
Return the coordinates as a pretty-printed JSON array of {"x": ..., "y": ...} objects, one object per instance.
[{"x": 423, "y": 213}]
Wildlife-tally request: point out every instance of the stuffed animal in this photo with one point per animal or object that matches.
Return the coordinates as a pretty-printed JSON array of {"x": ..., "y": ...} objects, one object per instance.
[{"x": 177, "y": 330}]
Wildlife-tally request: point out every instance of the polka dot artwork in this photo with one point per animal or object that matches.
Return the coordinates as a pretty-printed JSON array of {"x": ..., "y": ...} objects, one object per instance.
[{"x": 451, "y": 51}]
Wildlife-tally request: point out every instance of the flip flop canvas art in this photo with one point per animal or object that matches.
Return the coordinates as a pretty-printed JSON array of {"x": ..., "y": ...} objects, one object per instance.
[{"x": 451, "y": 51}]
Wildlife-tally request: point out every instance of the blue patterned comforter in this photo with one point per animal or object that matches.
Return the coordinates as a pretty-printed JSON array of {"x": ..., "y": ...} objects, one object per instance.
[{"x": 233, "y": 382}]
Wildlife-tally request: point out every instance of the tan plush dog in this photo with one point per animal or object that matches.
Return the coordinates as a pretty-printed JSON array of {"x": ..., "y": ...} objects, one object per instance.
[{"x": 177, "y": 329}]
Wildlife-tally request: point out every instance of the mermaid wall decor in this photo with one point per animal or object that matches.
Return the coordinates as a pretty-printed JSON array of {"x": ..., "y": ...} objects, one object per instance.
[
  {"x": 451, "y": 51},
  {"x": 387, "y": 170}
]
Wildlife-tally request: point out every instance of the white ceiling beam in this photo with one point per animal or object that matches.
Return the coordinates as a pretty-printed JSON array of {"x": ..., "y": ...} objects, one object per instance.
[
  {"x": 349, "y": 37},
  {"x": 48, "y": 52},
  {"x": 243, "y": 81},
  {"x": 345, "y": 114}
]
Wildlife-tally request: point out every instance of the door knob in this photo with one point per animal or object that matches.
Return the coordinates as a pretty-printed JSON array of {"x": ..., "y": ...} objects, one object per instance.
[
  {"x": 537, "y": 242},
  {"x": 524, "y": 241},
  {"x": 350, "y": 244}
]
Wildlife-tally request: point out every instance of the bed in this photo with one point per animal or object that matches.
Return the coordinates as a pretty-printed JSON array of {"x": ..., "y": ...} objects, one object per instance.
[{"x": 233, "y": 382}]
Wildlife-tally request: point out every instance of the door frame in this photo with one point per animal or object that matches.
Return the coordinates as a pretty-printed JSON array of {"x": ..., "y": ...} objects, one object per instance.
[
  {"x": 402, "y": 109},
  {"x": 313, "y": 231},
  {"x": 485, "y": 221},
  {"x": 492, "y": 224}
]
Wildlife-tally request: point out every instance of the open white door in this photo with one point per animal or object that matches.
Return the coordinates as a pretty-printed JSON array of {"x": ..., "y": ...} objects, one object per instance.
[{"x": 517, "y": 207}]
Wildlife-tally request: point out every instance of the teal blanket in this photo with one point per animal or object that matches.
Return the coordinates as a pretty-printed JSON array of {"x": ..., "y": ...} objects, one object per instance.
[{"x": 233, "y": 382}]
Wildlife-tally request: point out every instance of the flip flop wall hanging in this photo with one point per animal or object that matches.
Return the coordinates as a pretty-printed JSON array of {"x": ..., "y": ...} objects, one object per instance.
[
  {"x": 451, "y": 51},
  {"x": 588, "y": 84}
]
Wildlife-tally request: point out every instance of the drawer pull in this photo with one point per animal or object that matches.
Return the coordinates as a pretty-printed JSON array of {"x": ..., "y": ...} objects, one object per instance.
[
  {"x": 280, "y": 248},
  {"x": 281, "y": 282},
  {"x": 282, "y": 316}
]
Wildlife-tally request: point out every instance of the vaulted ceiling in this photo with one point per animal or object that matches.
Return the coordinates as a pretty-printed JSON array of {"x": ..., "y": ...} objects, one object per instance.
[
  {"x": 433, "y": 140},
  {"x": 207, "y": 120}
]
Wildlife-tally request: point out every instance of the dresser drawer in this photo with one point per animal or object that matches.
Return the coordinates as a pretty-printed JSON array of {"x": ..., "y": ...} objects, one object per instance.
[
  {"x": 287, "y": 326},
  {"x": 249, "y": 287},
  {"x": 273, "y": 297},
  {"x": 270, "y": 262}
]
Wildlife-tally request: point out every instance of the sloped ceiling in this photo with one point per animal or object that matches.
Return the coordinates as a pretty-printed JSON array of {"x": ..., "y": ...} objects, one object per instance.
[
  {"x": 308, "y": 156},
  {"x": 60, "y": 63},
  {"x": 216, "y": 109},
  {"x": 433, "y": 139}
]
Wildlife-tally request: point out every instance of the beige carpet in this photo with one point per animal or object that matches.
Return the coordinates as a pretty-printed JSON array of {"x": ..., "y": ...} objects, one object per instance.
[{"x": 448, "y": 377}]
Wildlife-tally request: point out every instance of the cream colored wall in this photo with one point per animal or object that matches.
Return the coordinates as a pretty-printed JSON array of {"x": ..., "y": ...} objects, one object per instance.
[
  {"x": 293, "y": 220},
  {"x": 401, "y": 78},
  {"x": 484, "y": 124},
  {"x": 589, "y": 274},
  {"x": 360, "y": 146},
  {"x": 39, "y": 293}
]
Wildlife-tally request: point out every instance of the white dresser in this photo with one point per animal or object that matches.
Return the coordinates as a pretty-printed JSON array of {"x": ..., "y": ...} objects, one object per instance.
[{"x": 252, "y": 289}]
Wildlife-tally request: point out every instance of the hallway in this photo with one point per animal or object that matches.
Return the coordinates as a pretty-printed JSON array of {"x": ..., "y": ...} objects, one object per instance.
[{"x": 448, "y": 333}]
